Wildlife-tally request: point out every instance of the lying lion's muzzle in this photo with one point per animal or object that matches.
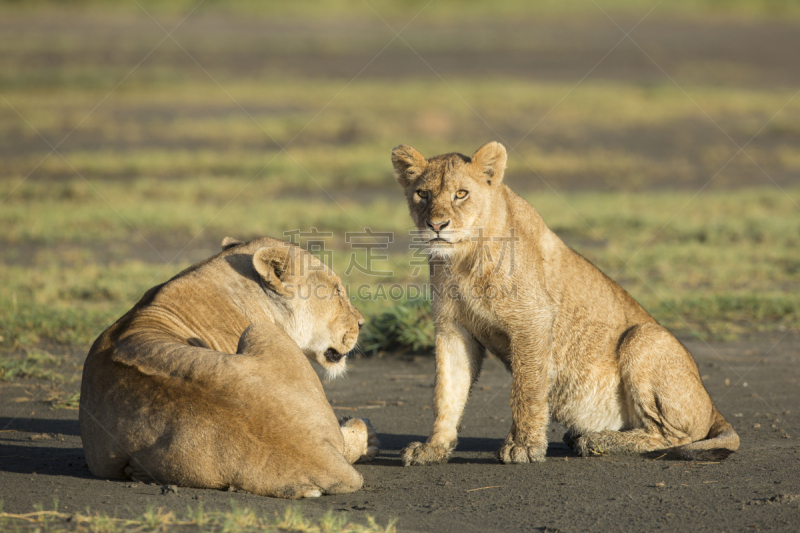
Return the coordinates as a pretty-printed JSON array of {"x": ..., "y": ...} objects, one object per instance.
[{"x": 333, "y": 355}]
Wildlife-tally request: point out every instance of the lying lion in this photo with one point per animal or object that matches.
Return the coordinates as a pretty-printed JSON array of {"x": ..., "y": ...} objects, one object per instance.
[
  {"x": 206, "y": 382},
  {"x": 579, "y": 348}
]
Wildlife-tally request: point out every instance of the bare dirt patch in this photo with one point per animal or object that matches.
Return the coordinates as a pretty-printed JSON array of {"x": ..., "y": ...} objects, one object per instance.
[{"x": 753, "y": 381}]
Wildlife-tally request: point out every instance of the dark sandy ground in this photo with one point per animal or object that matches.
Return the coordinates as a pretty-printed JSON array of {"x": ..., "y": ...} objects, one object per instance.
[{"x": 754, "y": 382}]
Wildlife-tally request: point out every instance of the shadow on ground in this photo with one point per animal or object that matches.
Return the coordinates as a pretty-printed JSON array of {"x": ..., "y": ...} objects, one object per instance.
[{"x": 40, "y": 425}]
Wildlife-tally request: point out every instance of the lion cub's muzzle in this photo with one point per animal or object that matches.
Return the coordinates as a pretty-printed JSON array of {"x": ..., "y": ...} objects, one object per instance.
[
  {"x": 333, "y": 355},
  {"x": 438, "y": 237}
]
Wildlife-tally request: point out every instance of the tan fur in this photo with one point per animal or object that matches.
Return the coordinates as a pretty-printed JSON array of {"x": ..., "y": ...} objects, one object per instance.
[
  {"x": 206, "y": 382},
  {"x": 579, "y": 348},
  {"x": 356, "y": 448}
]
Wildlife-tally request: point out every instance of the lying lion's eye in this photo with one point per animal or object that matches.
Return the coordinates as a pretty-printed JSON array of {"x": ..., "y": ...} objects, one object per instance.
[
  {"x": 422, "y": 194},
  {"x": 461, "y": 194}
]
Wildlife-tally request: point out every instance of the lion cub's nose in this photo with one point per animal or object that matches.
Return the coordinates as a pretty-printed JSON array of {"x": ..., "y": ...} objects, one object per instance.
[
  {"x": 437, "y": 226},
  {"x": 361, "y": 322}
]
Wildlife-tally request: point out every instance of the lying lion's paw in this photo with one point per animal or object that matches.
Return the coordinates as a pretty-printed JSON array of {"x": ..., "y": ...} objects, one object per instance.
[
  {"x": 418, "y": 453},
  {"x": 312, "y": 493},
  {"x": 360, "y": 440},
  {"x": 513, "y": 453},
  {"x": 307, "y": 491},
  {"x": 373, "y": 444},
  {"x": 295, "y": 492}
]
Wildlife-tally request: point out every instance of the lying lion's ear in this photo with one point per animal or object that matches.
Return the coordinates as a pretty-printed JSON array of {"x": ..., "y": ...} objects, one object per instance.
[
  {"x": 272, "y": 264},
  {"x": 229, "y": 242},
  {"x": 491, "y": 160},
  {"x": 408, "y": 164}
]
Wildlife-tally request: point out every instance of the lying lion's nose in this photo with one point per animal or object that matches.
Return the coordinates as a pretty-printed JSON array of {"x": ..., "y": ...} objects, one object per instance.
[
  {"x": 437, "y": 226},
  {"x": 361, "y": 322},
  {"x": 333, "y": 355}
]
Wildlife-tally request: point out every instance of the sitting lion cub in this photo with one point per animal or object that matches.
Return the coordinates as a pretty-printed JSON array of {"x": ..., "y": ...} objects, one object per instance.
[
  {"x": 579, "y": 348},
  {"x": 206, "y": 382}
]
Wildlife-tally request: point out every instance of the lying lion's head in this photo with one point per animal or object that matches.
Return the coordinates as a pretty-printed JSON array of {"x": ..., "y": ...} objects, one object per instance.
[
  {"x": 449, "y": 196},
  {"x": 308, "y": 301}
]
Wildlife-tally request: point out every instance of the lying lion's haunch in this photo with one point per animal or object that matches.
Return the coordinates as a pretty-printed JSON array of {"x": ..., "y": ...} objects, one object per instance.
[
  {"x": 579, "y": 348},
  {"x": 206, "y": 382}
]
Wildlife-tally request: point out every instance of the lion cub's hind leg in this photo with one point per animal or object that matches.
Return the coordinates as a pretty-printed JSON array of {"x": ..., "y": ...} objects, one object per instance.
[
  {"x": 670, "y": 404},
  {"x": 360, "y": 440},
  {"x": 639, "y": 440}
]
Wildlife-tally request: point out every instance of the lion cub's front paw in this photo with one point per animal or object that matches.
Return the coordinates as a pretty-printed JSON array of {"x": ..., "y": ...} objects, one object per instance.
[
  {"x": 418, "y": 453},
  {"x": 513, "y": 453}
]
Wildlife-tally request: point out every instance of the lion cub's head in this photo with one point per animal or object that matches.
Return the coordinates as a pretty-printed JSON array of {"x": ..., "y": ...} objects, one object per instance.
[
  {"x": 450, "y": 196},
  {"x": 309, "y": 302}
]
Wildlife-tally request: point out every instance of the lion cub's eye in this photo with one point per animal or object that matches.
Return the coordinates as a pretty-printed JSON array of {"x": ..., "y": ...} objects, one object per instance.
[
  {"x": 461, "y": 194},
  {"x": 422, "y": 194}
]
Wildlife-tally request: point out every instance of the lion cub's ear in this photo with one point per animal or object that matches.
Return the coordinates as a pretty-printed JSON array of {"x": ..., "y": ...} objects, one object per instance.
[
  {"x": 272, "y": 264},
  {"x": 491, "y": 160},
  {"x": 408, "y": 164},
  {"x": 229, "y": 242}
]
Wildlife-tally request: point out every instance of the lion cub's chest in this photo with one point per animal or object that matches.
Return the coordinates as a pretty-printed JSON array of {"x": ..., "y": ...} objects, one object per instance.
[{"x": 479, "y": 315}]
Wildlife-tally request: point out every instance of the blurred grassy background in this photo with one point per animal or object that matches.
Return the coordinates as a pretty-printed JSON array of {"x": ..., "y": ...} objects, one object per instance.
[{"x": 165, "y": 144}]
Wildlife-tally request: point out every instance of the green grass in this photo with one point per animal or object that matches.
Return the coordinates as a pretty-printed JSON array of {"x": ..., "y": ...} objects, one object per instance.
[
  {"x": 70, "y": 401},
  {"x": 168, "y": 158},
  {"x": 726, "y": 264},
  {"x": 406, "y": 325},
  {"x": 34, "y": 364},
  {"x": 237, "y": 520},
  {"x": 347, "y": 145}
]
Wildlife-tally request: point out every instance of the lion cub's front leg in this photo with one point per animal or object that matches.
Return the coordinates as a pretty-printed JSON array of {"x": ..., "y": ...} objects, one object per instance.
[
  {"x": 458, "y": 363},
  {"x": 527, "y": 440}
]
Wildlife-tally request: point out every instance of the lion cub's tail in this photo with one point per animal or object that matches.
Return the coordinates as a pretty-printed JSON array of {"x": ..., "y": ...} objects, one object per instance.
[{"x": 722, "y": 441}]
